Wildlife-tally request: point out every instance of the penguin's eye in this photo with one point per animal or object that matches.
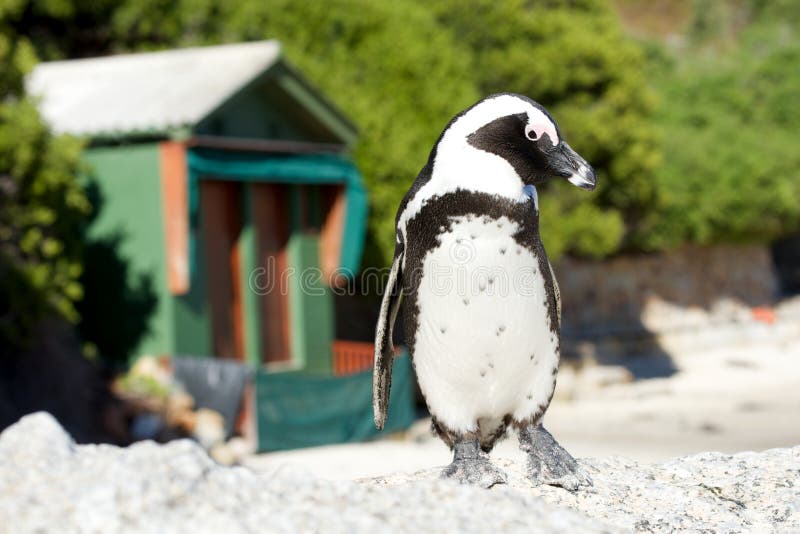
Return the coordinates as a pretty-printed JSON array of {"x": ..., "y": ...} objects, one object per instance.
[{"x": 530, "y": 133}]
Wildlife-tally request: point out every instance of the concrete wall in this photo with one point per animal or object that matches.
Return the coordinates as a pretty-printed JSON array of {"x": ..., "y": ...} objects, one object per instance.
[
  {"x": 654, "y": 303},
  {"x": 666, "y": 290}
]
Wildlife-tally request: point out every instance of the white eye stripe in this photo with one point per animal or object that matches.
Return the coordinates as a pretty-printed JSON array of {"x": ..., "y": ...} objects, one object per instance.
[
  {"x": 535, "y": 131},
  {"x": 494, "y": 108}
]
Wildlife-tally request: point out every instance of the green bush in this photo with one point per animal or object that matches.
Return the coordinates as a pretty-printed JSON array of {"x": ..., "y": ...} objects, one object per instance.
[
  {"x": 691, "y": 143},
  {"x": 729, "y": 120},
  {"x": 573, "y": 58},
  {"x": 42, "y": 206},
  {"x": 390, "y": 66},
  {"x": 402, "y": 69}
]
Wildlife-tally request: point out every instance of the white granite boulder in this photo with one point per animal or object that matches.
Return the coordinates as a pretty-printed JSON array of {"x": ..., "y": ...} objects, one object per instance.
[{"x": 49, "y": 484}]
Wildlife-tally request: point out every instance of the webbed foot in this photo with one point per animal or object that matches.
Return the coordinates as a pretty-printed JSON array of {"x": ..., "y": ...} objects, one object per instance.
[
  {"x": 549, "y": 463},
  {"x": 472, "y": 466}
]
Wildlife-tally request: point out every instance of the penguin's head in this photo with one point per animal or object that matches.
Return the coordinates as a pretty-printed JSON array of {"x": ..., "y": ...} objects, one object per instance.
[{"x": 521, "y": 132}]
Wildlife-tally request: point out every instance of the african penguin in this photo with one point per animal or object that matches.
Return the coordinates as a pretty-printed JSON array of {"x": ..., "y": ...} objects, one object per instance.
[{"x": 480, "y": 301}]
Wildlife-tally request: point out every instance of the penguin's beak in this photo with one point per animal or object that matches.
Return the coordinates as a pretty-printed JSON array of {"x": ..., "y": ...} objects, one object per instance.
[{"x": 570, "y": 165}]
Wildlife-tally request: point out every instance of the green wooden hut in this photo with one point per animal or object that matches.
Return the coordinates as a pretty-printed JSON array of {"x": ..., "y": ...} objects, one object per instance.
[{"x": 228, "y": 175}]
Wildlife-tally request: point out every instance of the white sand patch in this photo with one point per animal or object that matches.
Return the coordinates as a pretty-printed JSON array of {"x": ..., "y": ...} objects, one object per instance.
[{"x": 745, "y": 398}]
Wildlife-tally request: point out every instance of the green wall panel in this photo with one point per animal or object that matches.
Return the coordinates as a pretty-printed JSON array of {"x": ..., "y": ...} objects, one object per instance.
[
  {"x": 127, "y": 180},
  {"x": 310, "y": 306},
  {"x": 191, "y": 311},
  {"x": 249, "y": 261}
]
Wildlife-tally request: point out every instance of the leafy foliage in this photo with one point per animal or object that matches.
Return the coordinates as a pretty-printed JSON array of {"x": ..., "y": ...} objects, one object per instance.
[
  {"x": 42, "y": 206},
  {"x": 572, "y": 57},
  {"x": 731, "y": 171},
  {"x": 402, "y": 69},
  {"x": 390, "y": 66},
  {"x": 656, "y": 122}
]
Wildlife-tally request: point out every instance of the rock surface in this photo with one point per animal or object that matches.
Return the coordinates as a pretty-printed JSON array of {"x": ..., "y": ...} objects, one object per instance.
[
  {"x": 708, "y": 492},
  {"x": 47, "y": 483}
]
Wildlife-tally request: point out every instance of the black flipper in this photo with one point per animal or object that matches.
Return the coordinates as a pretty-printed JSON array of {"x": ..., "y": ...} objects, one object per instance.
[
  {"x": 557, "y": 291},
  {"x": 384, "y": 350}
]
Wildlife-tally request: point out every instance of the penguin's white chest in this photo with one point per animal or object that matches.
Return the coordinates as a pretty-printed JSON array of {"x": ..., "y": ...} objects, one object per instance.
[{"x": 484, "y": 347}]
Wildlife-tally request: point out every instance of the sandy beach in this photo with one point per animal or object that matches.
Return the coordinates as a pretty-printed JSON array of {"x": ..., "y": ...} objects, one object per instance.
[{"x": 742, "y": 398}]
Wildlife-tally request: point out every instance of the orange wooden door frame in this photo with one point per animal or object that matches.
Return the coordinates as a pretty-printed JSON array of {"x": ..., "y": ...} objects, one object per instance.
[{"x": 175, "y": 206}]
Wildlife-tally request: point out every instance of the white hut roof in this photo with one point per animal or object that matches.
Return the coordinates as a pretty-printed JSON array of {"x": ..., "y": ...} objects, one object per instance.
[{"x": 148, "y": 93}]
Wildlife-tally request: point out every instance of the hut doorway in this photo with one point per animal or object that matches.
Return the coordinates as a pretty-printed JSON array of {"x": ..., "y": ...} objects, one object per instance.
[
  {"x": 245, "y": 229},
  {"x": 221, "y": 227},
  {"x": 270, "y": 216}
]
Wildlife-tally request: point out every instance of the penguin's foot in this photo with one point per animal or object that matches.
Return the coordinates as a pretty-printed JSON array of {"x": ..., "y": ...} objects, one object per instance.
[
  {"x": 549, "y": 463},
  {"x": 476, "y": 471},
  {"x": 472, "y": 466}
]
